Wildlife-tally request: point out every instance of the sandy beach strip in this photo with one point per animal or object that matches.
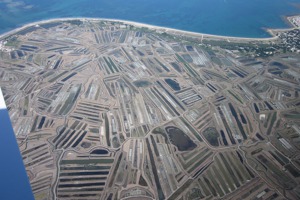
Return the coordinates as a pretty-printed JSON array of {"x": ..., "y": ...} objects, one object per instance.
[{"x": 152, "y": 27}]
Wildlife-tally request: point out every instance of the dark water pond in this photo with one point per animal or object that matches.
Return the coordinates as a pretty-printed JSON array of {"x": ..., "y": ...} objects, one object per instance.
[{"x": 180, "y": 139}]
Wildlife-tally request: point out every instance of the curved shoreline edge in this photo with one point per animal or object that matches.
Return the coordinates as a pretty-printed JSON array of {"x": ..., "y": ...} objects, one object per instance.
[{"x": 153, "y": 27}]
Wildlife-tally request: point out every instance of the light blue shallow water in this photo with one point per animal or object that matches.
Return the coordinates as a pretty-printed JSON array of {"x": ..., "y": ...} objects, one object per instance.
[{"x": 222, "y": 17}]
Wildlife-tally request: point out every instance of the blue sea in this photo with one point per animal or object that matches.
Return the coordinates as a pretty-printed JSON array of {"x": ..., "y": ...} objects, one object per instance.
[{"x": 245, "y": 18}]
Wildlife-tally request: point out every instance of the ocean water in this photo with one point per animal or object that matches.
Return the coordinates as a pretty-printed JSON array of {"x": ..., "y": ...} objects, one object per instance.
[{"x": 244, "y": 18}]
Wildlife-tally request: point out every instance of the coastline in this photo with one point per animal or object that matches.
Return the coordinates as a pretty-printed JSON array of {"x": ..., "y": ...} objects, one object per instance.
[{"x": 154, "y": 27}]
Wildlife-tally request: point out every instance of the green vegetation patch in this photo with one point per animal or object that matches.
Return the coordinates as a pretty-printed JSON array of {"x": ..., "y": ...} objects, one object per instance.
[
  {"x": 211, "y": 135},
  {"x": 235, "y": 96},
  {"x": 292, "y": 115},
  {"x": 12, "y": 42},
  {"x": 195, "y": 133},
  {"x": 181, "y": 189},
  {"x": 274, "y": 117}
]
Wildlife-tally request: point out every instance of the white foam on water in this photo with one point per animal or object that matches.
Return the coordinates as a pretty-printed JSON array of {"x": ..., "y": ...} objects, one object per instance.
[{"x": 2, "y": 102}]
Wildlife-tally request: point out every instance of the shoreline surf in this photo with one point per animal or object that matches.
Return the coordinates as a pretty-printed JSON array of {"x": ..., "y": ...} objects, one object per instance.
[{"x": 153, "y": 27}]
